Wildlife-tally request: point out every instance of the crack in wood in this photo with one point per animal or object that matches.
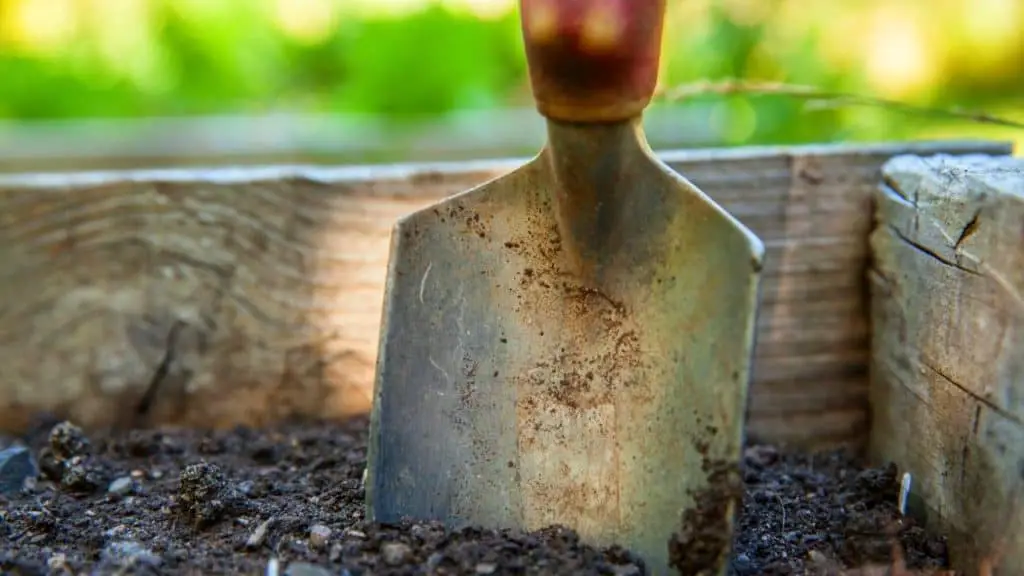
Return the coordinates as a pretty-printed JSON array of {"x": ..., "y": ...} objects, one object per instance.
[
  {"x": 969, "y": 230},
  {"x": 979, "y": 398},
  {"x": 920, "y": 248}
]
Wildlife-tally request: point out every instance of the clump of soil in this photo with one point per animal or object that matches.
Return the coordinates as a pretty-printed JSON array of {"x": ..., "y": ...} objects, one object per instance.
[
  {"x": 703, "y": 539},
  {"x": 190, "y": 502}
]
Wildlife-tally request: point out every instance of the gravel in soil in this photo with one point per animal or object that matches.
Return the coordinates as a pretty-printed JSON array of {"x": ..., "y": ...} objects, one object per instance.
[{"x": 230, "y": 502}]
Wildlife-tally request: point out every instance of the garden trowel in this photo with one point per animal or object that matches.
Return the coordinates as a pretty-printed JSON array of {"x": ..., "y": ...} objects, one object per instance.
[{"x": 571, "y": 343}]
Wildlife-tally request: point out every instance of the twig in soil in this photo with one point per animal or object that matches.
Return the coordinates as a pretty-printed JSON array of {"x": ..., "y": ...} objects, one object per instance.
[
  {"x": 732, "y": 87},
  {"x": 783, "y": 507},
  {"x": 160, "y": 375}
]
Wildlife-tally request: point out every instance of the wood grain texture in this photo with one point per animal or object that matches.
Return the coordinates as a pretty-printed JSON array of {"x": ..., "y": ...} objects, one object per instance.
[
  {"x": 249, "y": 295},
  {"x": 947, "y": 370}
]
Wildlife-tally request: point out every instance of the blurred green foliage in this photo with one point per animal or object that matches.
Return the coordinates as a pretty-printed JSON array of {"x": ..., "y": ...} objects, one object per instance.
[
  {"x": 430, "y": 62},
  {"x": 193, "y": 57}
]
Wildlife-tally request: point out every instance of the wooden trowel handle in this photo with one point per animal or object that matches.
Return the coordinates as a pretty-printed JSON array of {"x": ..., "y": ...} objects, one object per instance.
[{"x": 592, "y": 61}]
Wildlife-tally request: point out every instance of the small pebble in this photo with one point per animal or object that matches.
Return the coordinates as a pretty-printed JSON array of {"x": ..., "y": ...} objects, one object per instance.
[
  {"x": 318, "y": 536},
  {"x": 395, "y": 553},
  {"x": 259, "y": 535},
  {"x": 434, "y": 561},
  {"x": 355, "y": 534},
  {"x": 121, "y": 486},
  {"x": 246, "y": 487},
  {"x": 126, "y": 553},
  {"x": 305, "y": 569},
  {"x": 627, "y": 570},
  {"x": 57, "y": 562},
  {"x": 16, "y": 466},
  {"x": 817, "y": 557},
  {"x": 115, "y": 531},
  {"x": 335, "y": 554},
  {"x": 486, "y": 568}
]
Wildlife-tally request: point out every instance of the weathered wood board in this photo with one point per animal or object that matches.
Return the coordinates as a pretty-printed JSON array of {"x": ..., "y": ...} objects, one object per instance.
[
  {"x": 947, "y": 371},
  {"x": 248, "y": 295}
]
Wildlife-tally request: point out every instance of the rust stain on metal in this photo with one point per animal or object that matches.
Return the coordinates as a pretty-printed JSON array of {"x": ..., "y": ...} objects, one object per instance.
[
  {"x": 568, "y": 402},
  {"x": 575, "y": 376},
  {"x": 575, "y": 498},
  {"x": 468, "y": 219}
]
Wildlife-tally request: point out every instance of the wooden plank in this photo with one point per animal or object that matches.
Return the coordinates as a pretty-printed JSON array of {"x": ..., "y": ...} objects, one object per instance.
[
  {"x": 247, "y": 295},
  {"x": 947, "y": 370}
]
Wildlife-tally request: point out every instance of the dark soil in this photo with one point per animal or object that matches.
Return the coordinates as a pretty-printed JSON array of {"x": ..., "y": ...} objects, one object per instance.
[{"x": 191, "y": 502}]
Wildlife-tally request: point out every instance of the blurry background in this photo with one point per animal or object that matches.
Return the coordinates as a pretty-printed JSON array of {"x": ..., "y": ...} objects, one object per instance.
[{"x": 129, "y": 83}]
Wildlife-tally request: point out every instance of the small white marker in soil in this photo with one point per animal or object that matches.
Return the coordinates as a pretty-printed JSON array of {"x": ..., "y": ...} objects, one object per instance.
[
  {"x": 273, "y": 567},
  {"x": 904, "y": 493}
]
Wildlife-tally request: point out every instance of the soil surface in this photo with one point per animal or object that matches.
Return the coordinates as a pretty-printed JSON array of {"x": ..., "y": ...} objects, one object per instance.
[{"x": 232, "y": 502}]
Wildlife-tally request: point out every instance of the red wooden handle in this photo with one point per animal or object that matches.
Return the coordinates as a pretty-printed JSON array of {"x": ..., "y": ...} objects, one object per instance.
[{"x": 592, "y": 60}]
